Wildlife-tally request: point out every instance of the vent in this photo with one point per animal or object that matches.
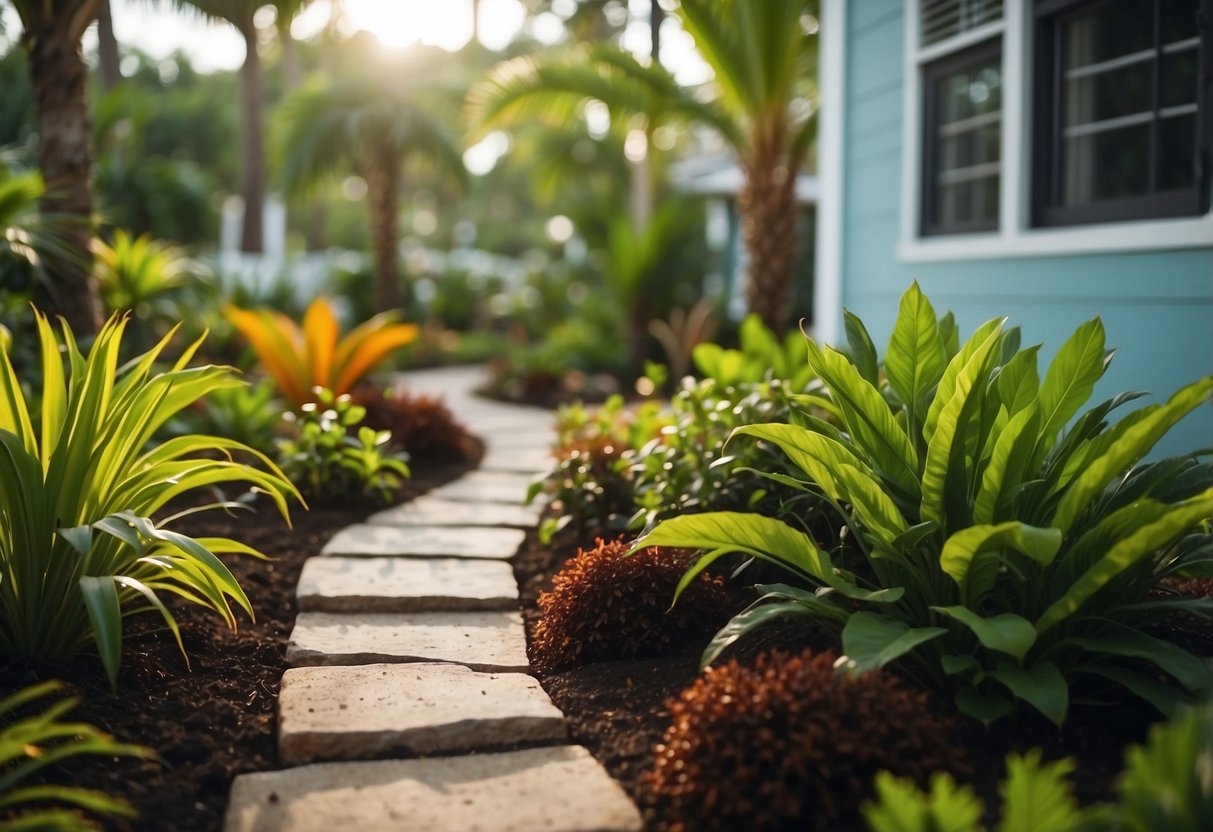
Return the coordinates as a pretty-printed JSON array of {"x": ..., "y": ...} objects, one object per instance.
[{"x": 942, "y": 19}]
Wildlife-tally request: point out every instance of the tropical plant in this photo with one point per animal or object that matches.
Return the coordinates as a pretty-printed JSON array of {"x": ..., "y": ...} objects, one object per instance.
[
  {"x": 372, "y": 127},
  {"x": 50, "y": 34},
  {"x": 79, "y": 552},
  {"x": 682, "y": 332},
  {"x": 140, "y": 274},
  {"x": 301, "y": 360},
  {"x": 330, "y": 465},
  {"x": 992, "y": 551},
  {"x": 249, "y": 414},
  {"x": 1165, "y": 785},
  {"x": 761, "y": 357},
  {"x": 31, "y": 743}
]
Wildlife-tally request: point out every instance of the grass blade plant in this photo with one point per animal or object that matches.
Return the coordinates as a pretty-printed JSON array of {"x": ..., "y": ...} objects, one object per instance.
[
  {"x": 302, "y": 359},
  {"x": 79, "y": 551},
  {"x": 994, "y": 552},
  {"x": 33, "y": 742}
]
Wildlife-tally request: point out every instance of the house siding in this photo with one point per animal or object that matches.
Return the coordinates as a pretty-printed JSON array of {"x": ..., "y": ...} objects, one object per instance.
[{"x": 1157, "y": 306}]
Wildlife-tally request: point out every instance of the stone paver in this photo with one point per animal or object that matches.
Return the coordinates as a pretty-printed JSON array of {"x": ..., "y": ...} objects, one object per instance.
[
  {"x": 379, "y": 710},
  {"x": 485, "y": 641},
  {"x": 558, "y": 789},
  {"x": 532, "y": 462},
  {"x": 429, "y": 511},
  {"x": 426, "y": 541},
  {"x": 487, "y": 487},
  {"x": 368, "y": 584}
]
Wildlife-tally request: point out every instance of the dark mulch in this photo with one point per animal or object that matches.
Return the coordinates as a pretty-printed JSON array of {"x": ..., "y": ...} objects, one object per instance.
[
  {"x": 216, "y": 718},
  {"x": 618, "y": 709}
]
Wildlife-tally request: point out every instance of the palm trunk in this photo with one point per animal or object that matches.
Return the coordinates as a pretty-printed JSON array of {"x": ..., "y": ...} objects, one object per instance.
[
  {"x": 59, "y": 78},
  {"x": 107, "y": 48},
  {"x": 383, "y": 201},
  {"x": 253, "y": 184},
  {"x": 291, "y": 70},
  {"x": 767, "y": 205},
  {"x": 656, "y": 15}
]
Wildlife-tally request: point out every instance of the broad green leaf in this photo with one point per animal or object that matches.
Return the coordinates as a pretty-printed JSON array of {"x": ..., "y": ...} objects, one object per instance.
[
  {"x": 1018, "y": 382},
  {"x": 985, "y": 708},
  {"x": 1130, "y": 550},
  {"x": 100, "y": 597},
  {"x": 1131, "y": 446},
  {"x": 954, "y": 664},
  {"x": 947, "y": 384},
  {"x": 1008, "y": 464},
  {"x": 872, "y": 506},
  {"x": 817, "y": 455},
  {"x": 1168, "y": 699},
  {"x": 1079, "y": 363},
  {"x": 1037, "y": 797},
  {"x": 944, "y": 476},
  {"x": 914, "y": 361},
  {"x": 764, "y": 612},
  {"x": 1193, "y": 673},
  {"x": 873, "y": 429},
  {"x": 1041, "y": 685},
  {"x": 870, "y": 641},
  {"x": 949, "y": 335},
  {"x": 1007, "y": 633},
  {"x": 960, "y": 550},
  {"x": 863, "y": 351}
]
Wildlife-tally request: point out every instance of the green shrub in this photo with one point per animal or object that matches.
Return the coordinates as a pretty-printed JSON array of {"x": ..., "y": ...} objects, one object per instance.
[
  {"x": 330, "y": 465},
  {"x": 1166, "y": 784},
  {"x": 249, "y": 414},
  {"x": 991, "y": 551},
  {"x": 29, "y": 744},
  {"x": 761, "y": 357},
  {"x": 78, "y": 550}
]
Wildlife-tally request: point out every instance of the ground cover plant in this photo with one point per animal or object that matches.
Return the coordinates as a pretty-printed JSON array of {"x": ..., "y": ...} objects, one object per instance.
[
  {"x": 422, "y": 425},
  {"x": 994, "y": 554},
  {"x": 79, "y": 550}
]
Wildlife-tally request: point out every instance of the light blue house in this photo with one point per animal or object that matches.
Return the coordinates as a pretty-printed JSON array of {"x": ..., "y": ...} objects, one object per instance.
[{"x": 1048, "y": 160}]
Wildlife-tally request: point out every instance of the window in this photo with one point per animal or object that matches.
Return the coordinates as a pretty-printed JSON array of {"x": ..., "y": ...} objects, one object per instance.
[
  {"x": 960, "y": 61},
  {"x": 1121, "y": 119},
  {"x": 963, "y": 118}
]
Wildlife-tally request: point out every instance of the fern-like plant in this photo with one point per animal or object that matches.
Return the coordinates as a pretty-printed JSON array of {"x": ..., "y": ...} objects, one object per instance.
[
  {"x": 79, "y": 551},
  {"x": 995, "y": 552}
]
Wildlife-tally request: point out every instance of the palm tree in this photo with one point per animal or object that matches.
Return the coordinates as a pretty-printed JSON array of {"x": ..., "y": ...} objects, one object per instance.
[
  {"x": 372, "y": 128},
  {"x": 51, "y": 32},
  {"x": 763, "y": 60}
]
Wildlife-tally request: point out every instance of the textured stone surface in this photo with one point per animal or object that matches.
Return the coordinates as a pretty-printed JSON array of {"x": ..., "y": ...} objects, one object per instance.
[
  {"x": 426, "y": 541},
  {"x": 530, "y": 461},
  {"x": 380, "y": 710},
  {"x": 560, "y": 789},
  {"x": 486, "y": 486},
  {"x": 365, "y": 584},
  {"x": 486, "y": 641},
  {"x": 427, "y": 511}
]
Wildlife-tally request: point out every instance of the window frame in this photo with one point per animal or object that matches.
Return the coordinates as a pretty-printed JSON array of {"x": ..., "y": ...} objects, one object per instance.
[
  {"x": 1017, "y": 236},
  {"x": 1047, "y": 210}
]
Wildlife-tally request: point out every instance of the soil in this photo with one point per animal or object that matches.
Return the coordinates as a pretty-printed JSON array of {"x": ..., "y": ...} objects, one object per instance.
[
  {"x": 213, "y": 718},
  {"x": 618, "y": 709}
]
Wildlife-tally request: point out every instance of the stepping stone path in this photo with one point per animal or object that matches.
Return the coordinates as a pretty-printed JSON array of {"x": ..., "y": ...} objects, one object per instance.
[{"x": 409, "y": 645}]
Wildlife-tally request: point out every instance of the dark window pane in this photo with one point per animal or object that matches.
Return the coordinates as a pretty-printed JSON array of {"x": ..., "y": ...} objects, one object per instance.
[
  {"x": 1116, "y": 92},
  {"x": 1107, "y": 165},
  {"x": 1179, "y": 77},
  {"x": 968, "y": 203},
  {"x": 1110, "y": 30},
  {"x": 1177, "y": 152},
  {"x": 1179, "y": 20}
]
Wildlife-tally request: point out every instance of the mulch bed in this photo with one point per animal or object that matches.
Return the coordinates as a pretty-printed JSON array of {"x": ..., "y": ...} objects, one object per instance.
[
  {"x": 214, "y": 719},
  {"x": 618, "y": 709}
]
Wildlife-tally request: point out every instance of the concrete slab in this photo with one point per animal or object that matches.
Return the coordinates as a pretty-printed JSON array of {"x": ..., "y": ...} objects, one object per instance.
[
  {"x": 381, "y": 710},
  {"x": 484, "y": 641},
  {"x": 430, "y": 511},
  {"x": 486, "y": 487},
  {"x": 367, "y": 584},
  {"x": 426, "y": 541},
  {"x": 560, "y": 789}
]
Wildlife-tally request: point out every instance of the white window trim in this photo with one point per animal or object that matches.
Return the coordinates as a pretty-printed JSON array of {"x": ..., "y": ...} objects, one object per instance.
[
  {"x": 1015, "y": 236},
  {"x": 831, "y": 158}
]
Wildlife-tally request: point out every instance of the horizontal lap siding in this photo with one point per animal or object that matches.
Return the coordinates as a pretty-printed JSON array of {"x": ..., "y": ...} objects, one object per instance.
[{"x": 1157, "y": 306}]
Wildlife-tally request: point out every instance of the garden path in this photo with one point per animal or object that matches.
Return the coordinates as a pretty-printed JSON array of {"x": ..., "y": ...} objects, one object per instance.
[{"x": 409, "y": 672}]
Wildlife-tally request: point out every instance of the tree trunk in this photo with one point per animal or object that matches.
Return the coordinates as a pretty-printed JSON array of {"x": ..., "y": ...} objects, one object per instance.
[
  {"x": 383, "y": 202},
  {"x": 107, "y": 48},
  {"x": 291, "y": 71},
  {"x": 59, "y": 78},
  {"x": 767, "y": 206},
  {"x": 656, "y": 15},
  {"x": 476, "y": 21},
  {"x": 253, "y": 184}
]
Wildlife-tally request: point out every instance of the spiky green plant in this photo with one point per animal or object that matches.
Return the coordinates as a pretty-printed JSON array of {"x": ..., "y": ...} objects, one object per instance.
[
  {"x": 79, "y": 550},
  {"x": 996, "y": 552}
]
